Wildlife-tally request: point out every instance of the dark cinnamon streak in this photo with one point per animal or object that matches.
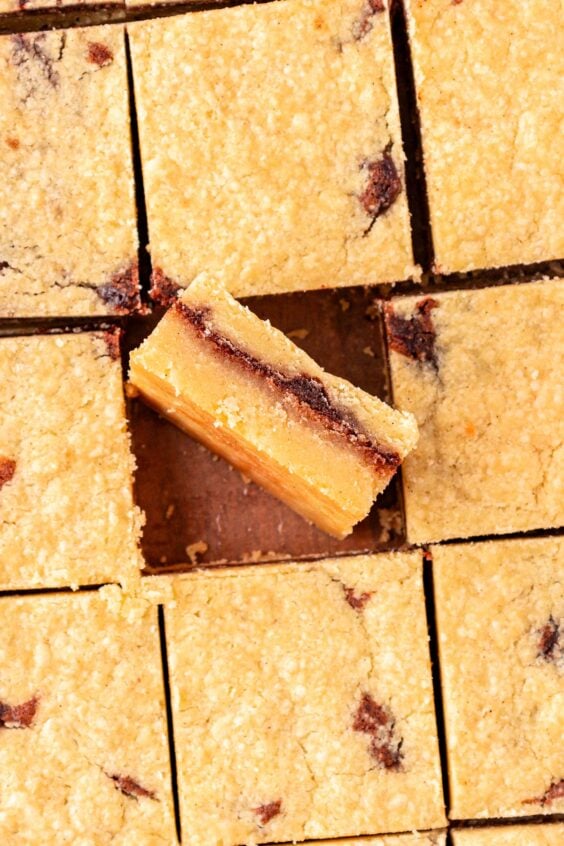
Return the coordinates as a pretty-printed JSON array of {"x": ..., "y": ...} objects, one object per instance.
[
  {"x": 267, "y": 812},
  {"x": 33, "y": 49},
  {"x": 121, "y": 293},
  {"x": 413, "y": 336},
  {"x": 375, "y": 720},
  {"x": 383, "y": 186},
  {"x": 112, "y": 337},
  {"x": 131, "y": 788},
  {"x": 99, "y": 54},
  {"x": 554, "y": 792},
  {"x": 308, "y": 391},
  {"x": 364, "y": 23},
  {"x": 356, "y": 600},
  {"x": 164, "y": 290},
  {"x": 7, "y": 470},
  {"x": 549, "y": 641},
  {"x": 18, "y": 716}
]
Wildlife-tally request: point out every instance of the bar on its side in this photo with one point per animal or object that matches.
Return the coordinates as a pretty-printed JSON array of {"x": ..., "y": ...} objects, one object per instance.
[{"x": 243, "y": 389}]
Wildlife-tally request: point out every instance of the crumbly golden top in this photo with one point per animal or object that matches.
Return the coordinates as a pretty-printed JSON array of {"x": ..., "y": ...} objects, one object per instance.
[
  {"x": 271, "y": 146},
  {"x": 491, "y": 114},
  {"x": 428, "y": 838},
  {"x": 479, "y": 369},
  {"x": 68, "y": 241},
  {"x": 23, "y": 6},
  {"x": 66, "y": 511},
  {"x": 84, "y": 753},
  {"x": 514, "y": 835},
  {"x": 292, "y": 716},
  {"x": 500, "y": 612}
]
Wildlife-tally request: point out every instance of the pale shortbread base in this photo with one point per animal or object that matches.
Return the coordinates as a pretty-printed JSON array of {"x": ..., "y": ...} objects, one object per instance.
[
  {"x": 98, "y": 680},
  {"x": 514, "y": 835},
  {"x": 67, "y": 516},
  {"x": 503, "y": 702},
  {"x": 429, "y": 838},
  {"x": 490, "y": 458},
  {"x": 256, "y": 124},
  {"x": 489, "y": 79},
  {"x": 268, "y": 666},
  {"x": 67, "y": 206}
]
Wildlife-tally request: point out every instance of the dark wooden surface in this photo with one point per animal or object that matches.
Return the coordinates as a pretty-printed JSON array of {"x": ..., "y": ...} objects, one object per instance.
[{"x": 191, "y": 496}]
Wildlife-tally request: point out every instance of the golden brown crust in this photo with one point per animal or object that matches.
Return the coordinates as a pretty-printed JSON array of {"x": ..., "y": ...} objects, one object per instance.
[
  {"x": 481, "y": 377},
  {"x": 490, "y": 110},
  {"x": 68, "y": 239},
  {"x": 268, "y": 721},
  {"x": 66, "y": 515},
  {"x": 286, "y": 197}
]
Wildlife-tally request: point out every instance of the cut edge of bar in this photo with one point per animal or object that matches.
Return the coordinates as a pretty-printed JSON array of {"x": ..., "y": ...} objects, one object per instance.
[{"x": 169, "y": 723}]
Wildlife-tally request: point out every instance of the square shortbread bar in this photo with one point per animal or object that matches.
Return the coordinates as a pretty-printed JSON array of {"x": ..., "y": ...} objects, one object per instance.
[
  {"x": 500, "y": 616},
  {"x": 481, "y": 370},
  {"x": 21, "y": 7},
  {"x": 66, "y": 507},
  {"x": 512, "y": 835},
  {"x": 271, "y": 147},
  {"x": 491, "y": 112},
  {"x": 428, "y": 838},
  {"x": 68, "y": 231},
  {"x": 303, "y": 701},
  {"x": 84, "y": 754}
]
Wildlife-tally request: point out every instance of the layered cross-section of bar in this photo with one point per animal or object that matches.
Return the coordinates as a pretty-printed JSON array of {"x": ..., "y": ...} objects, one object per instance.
[{"x": 247, "y": 392}]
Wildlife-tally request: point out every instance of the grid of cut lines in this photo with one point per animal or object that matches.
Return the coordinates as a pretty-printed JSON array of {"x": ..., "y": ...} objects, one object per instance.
[{"x": 96, "y": 14}]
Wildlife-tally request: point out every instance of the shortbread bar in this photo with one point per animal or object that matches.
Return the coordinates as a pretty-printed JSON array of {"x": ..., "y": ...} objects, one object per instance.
[
  {"x": 480, "y": 371},
  {"x": 489, "y": 90},
  {"x": 22, "y": 7},
  {"x": 84, "y": 755},
  {"x": 500, "y": 614},
  {"x": 428, "y": 838},
  {"x": 68, "y": 238},
  {"x": 66, "y": 508},
  {"x": 302, "y": 701},
  {"x": 247, "y": 392},
  {"x": 271, "y": 147},
  {"x": 512, "y": 835}
]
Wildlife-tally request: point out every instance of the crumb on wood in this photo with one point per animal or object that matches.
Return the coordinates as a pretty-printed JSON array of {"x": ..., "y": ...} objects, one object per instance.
[
  {"x": 131, "y": 391},
  {"x": 256, "y": 555},
  {"x": 373, "y": 310},
  {"x": 369, "y": 351},
  {"x": 390, "y": 524},
  {"x": 194, "y": 550},
  {"x": 300, "y": 334}
]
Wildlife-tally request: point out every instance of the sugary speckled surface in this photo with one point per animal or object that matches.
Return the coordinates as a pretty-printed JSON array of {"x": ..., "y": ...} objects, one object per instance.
[
  {"x": 260, "y": 128},
  {"x": 490, "y": 409},
  {"x": 430, "y": 838},
  {"x": 500, "y": 614},
  {"x": 515, "y": 835},
  {"x": 92, "y": 765},
  {"x": 68, "y": 238},
  {"x": 490, "y": 83},
  {"x": 302, "y": 700},
  {"x": 66, "y": 513}
]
